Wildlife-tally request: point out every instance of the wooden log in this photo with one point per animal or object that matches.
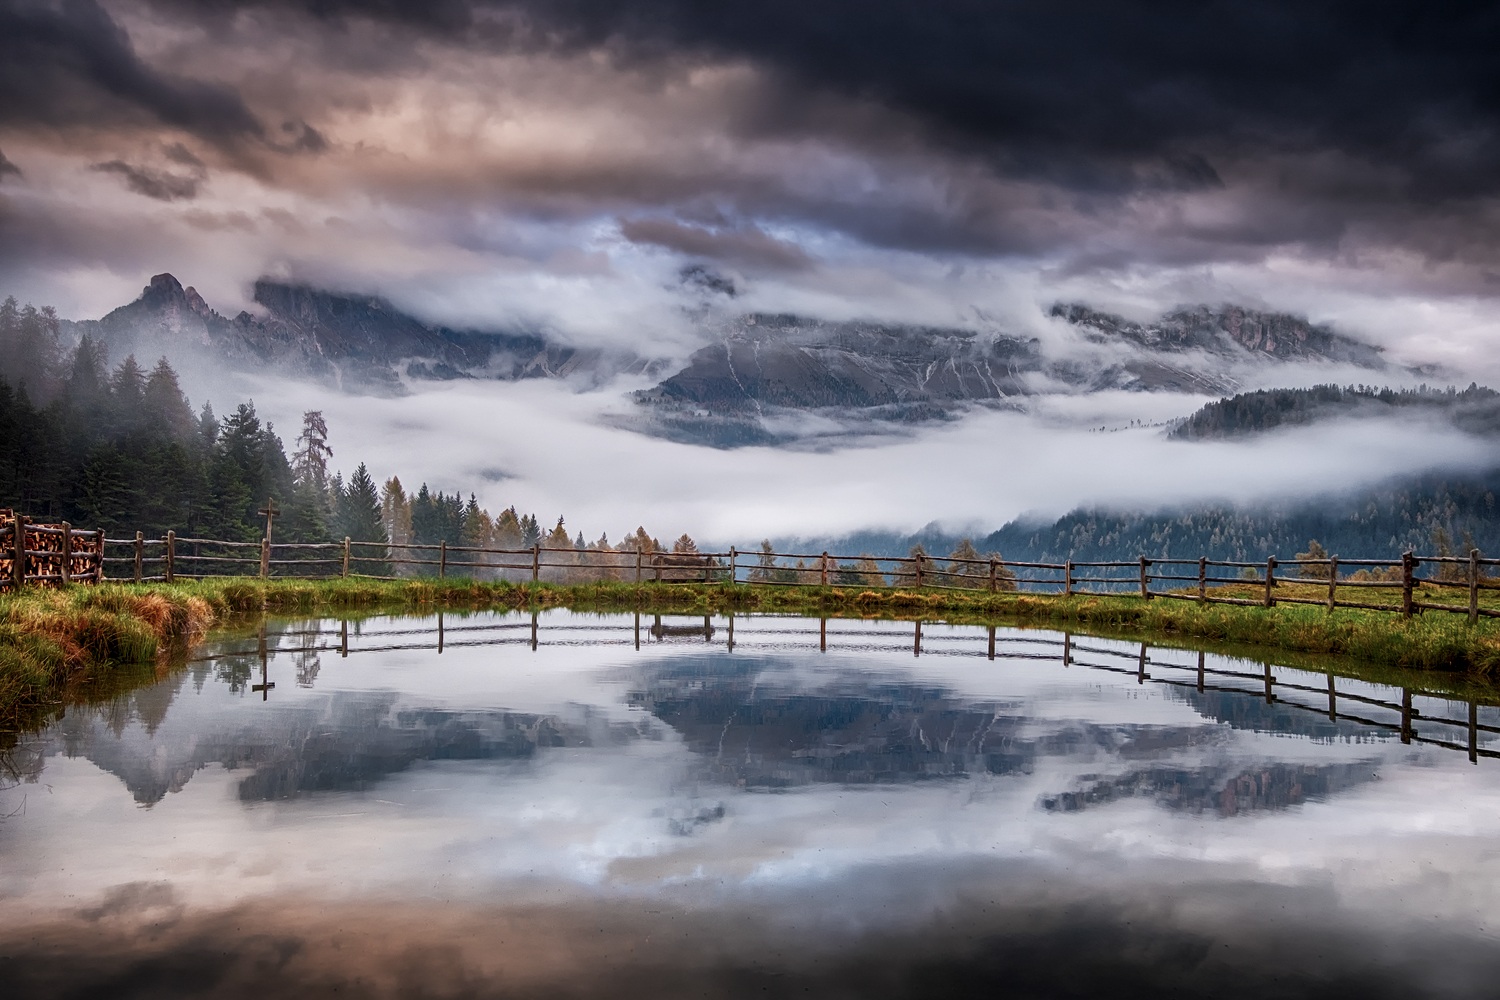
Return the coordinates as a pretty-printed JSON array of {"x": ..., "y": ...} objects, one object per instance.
[
  {"x": 442, "y": 558},
  {"x": 919, "y": 578},
  {"x": 1202, "y": 579},
  {"x": 1145, "y": 590},
  {"x": 265, "y": 557},
  {"x": 18, "y": 553},
  {"x": 1473, "y": 586},
  {"x": 733, "y": 570},
  {"x": 169, "y": 567},
  {"x": 536, "y": 567},
  {"x": 140, "y": 554},
  {"x": 823, "y": 576},
  {"x": 67, "y": 554},
  {"x": 1068, "y": 578},
  {"x": 1270, "y": 601},
  {"x": 994, "y": 568},
  {"x": 1333, "y": 583},
  {"x": 637, "y": 569},
  {"x": 1408, "y": 565},
  {"x": 344, "y": 562}
]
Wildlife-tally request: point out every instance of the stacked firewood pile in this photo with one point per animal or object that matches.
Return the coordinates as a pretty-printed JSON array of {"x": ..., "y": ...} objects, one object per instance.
[{"x": 44, "y": 549}]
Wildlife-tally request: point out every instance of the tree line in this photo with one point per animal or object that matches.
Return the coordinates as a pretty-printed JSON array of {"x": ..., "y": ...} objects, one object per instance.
[{"x": 1475, "y": 409}]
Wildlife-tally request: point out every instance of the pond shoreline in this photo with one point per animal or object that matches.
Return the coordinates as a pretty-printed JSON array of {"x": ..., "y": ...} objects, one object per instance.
[{"x": 50, "y": 639}]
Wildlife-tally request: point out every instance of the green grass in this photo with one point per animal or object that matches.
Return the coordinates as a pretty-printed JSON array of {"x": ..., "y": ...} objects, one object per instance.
[{"x": 55, "y": 643}]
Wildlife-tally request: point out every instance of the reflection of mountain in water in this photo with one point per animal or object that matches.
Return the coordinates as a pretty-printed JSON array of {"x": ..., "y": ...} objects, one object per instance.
[
  {"x": 1226, "y": 790},
  {"x": 344, "y": 742},
  {"x": 754, "y": 730}
]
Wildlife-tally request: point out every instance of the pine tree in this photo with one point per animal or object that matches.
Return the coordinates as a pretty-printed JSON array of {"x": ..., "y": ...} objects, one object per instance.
[
  {"x": 962, "y": 574},
  {"x": 765, "y": 565},
  {"x": 362, "y": 522},
  {"x": 531, "y": 532},
  {"x": 310, "y": 460}
]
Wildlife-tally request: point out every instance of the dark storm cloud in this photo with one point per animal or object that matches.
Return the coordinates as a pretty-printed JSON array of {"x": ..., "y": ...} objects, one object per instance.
[
  {"x": 7, "y": 167},
  {"x": 1006, "y": 931},
  {"x": 156, "y": 184},
  {"x": 68, "y": 63},
  {"x": 1090, "y": 94}
]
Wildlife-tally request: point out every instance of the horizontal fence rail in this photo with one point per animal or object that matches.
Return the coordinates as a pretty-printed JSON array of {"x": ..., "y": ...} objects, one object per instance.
[
  {"x": 1287, "y": 581},
  {"x": 795, "y": 631}
]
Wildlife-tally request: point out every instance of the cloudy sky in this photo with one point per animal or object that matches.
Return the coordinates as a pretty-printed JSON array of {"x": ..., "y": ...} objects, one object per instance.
[{"x": 559, "y": 163}]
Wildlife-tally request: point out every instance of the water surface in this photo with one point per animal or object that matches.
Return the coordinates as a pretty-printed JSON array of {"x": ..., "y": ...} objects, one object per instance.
[{"x": 610, "y": 806}]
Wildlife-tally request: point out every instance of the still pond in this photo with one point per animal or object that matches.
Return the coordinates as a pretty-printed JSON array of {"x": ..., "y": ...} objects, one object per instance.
[{"x": 611, "y": 805}]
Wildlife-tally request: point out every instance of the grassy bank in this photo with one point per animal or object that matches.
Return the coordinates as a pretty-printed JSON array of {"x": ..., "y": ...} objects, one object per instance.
[{"x": 51, "y": 639}]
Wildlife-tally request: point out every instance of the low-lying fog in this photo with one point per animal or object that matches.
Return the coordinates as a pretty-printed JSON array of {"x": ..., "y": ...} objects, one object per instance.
[{"x": 548, "y": 449}]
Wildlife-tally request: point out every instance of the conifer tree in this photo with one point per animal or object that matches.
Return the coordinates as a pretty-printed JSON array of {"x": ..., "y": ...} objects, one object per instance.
[{"x": 362, "y": 522}]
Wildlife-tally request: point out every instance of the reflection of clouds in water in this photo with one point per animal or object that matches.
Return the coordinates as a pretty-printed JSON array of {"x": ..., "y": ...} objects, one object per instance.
[{"x": 882, "y": 795}]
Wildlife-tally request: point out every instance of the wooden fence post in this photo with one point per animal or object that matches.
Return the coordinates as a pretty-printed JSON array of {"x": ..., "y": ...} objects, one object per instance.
[
  {"x": 1145, "y": 588},
  {"x": 344, "y": 569},
  {"x": 169, "y": 568},
  {"x": 993, "y": 567},
  {"x": 99, "y": 566},
  {"x": 733, "y": 570},
  {"x": 656, "y": 561},
  {"x": 18, "y": 554},
  {"x": 536, "y": 562},
  {"x": 1270, "y": 601},
  {"x": 637, "y": 565},
  {"x": 1068, "y": 578},
  {"x": 1408, "y": 564},
  {"x": 1333, "y": 583},
  {"x": 67, "y": 553},
  {"x": 140, "y": 553},
  {"x": 265, "y": 557},
  {"x": 1473, "y": 586},
  {"x": 443, "y": 558},
  {"x": 919, "y": 571},
  {"x": 824, "y": 576},
  {"x": 1203, "y": 579}
]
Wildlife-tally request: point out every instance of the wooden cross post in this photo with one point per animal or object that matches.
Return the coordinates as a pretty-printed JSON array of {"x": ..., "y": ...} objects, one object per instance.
[
  {"x": 269, "y": 511},
  {"x": 264, "y": 687}
]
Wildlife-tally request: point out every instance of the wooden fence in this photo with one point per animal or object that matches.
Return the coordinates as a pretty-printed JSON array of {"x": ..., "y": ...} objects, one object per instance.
[
  {"x": 1412, "y": 724},
  {"x": 48, "y": 555},
  {"x": 172, "y": 558}
]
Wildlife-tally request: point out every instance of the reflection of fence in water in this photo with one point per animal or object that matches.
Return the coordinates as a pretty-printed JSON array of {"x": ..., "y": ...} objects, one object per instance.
[{"x": 861, "y": 638}]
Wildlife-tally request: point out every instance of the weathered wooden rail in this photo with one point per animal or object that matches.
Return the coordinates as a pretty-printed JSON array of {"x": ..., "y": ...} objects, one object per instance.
[
  {"x": 173, "y": 558},
  {"x": 1327, "y": 700}
]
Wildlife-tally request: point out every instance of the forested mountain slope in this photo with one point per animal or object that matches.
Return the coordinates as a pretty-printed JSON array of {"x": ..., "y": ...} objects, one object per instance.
[
  {"x": 1382, "y": 522},
  {"x": 1475, "y": 410}
]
